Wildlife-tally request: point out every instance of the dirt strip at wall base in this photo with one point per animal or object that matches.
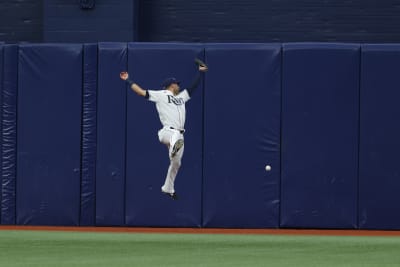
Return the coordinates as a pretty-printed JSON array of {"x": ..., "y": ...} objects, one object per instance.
[{"x": 325, "y": 232}]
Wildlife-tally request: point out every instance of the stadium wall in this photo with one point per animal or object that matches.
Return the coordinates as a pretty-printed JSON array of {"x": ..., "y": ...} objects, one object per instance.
[
  {"x": 269, "y": 21},
  {"x": 79, "y": 148},
  {"x": 199, "y": 21}
]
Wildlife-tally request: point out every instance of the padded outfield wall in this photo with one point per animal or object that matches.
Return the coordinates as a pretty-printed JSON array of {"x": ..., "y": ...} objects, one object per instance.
[{"x": 79, "y": 148}]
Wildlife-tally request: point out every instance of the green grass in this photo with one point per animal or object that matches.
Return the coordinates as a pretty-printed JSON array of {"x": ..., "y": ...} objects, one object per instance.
[{"x": 59, "y": 249}]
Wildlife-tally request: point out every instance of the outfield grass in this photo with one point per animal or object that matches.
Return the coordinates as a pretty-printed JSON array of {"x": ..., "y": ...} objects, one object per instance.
[{"x": 59, "y": 249}]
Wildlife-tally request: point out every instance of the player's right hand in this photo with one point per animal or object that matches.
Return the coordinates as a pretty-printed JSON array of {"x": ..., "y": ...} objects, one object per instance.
[{"x": 124, "y": 75}]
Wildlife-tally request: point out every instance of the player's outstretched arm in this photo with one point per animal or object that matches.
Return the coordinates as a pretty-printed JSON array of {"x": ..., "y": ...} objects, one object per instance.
[
  {"x": 136, "y": 88},
  {"x": 196, "y": 81}
]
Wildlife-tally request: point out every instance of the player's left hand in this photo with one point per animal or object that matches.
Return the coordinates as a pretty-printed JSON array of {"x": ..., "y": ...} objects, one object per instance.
[{"x": 203, "y": 68}]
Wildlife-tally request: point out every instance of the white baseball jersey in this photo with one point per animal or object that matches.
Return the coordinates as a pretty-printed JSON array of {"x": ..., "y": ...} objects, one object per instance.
[{"x": 170, "y": 107}]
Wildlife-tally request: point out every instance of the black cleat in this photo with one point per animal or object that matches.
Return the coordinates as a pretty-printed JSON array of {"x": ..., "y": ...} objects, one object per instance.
[
  {"x": 177, "y": 146},
  {"x": 174, "y": 196}
]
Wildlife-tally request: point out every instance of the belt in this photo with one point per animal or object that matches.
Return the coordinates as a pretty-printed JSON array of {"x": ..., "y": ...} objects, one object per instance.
[{"x": 181, "y": 131}]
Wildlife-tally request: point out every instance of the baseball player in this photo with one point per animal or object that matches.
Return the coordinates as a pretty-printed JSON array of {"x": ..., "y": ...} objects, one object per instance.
[{"x": 170, "y": 104}]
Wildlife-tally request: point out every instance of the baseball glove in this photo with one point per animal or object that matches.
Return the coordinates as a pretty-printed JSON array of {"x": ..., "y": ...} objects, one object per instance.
[{"x": 200, "y": 63}]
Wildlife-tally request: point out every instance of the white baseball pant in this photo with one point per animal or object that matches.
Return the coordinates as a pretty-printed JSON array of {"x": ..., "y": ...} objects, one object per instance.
[{"x": 169, "y": 137}]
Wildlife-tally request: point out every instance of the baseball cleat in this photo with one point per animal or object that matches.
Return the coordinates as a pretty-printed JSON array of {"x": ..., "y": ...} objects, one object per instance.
[
  {"x": 174, "y": 196},
  {"x": 177, "y": 146}
]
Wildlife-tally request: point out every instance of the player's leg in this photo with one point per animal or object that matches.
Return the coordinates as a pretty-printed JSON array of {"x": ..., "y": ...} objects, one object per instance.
[
  {"x": 171, "y": 138},
  {"x": 176, "y": 143},
  {"x": 175, "y": 164},
  {"x": 165, "y": 135}
]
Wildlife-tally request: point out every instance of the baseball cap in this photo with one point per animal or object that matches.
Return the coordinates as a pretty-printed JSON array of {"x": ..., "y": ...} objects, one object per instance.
[{"x": 170, "y": 81}]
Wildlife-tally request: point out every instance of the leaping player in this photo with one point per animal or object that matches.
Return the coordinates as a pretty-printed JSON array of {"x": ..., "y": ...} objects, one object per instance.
[{"x": 170, "y": 104}]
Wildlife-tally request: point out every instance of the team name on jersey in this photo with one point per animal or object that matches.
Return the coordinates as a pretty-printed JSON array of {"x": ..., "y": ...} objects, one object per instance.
[{"x": 176, "y": 101}]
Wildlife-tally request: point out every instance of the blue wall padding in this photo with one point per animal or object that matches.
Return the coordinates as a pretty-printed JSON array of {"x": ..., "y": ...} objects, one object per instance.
[
  {"x": 89, "y": 133},
  {"x": 9, "y": 133},
  {"x": 111, "y": 134},
  {"x": 242, "y": 135},
  {"x": 147, "y": 158},
  {"x": 379, "y": 180},
  {"x": 320, "y": 118},
  {"x": 49, "y": 134},
  {"x": 1, "y": 133},
  {"x": 78, "y": 147}
]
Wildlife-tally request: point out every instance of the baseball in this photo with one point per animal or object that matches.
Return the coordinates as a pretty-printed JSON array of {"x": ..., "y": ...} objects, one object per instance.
[{"x": 267, "y": 168}]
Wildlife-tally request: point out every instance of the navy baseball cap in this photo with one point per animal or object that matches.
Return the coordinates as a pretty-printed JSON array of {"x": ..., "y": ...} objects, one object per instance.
[{"x": 170, "y": 81}]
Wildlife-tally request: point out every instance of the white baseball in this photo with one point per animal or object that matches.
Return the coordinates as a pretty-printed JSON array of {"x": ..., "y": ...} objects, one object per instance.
[{"x": 267, "y": 168}]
